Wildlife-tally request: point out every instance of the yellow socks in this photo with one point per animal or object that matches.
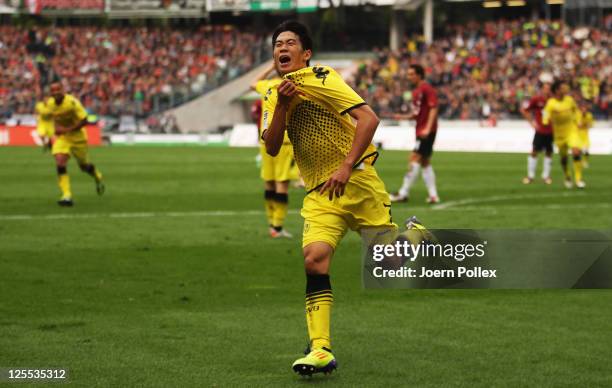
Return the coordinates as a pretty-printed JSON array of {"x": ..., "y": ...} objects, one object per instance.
[
  {"x": 63, "y": 181},
  {"x": 281, "y": 203},
  {"x": 577, "y": 168},
  {"x": 270, "y": 205},
  {"x": 319, "y": 300}
]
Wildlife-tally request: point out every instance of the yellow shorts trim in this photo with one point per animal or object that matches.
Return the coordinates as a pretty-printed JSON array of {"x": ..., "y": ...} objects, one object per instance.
[
  {"x": 281, "y": 167},
  {"x": 76, "y": 147},
  {"x": 365, "y": 203}
]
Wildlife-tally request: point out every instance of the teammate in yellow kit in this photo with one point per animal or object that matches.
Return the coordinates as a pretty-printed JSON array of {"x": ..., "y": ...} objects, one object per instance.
[
  {"x": 585, "y": 123},
  {"x": 276, "y": 171},
  {"x": 561, "y": 110},
  {"x": 69, "y": 118},
  {"x": 44, "y": 124}
]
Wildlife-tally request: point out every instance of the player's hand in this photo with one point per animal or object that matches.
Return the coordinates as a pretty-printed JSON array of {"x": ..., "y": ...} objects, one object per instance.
[
  {"x": 286, "y": 91},
  {"x": 425, "y": 133},
  {"x": 337, "y": 182}
]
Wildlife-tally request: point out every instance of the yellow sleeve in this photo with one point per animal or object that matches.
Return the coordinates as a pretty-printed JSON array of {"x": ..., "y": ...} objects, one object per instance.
[
  {"x": 261, "y": 87},
  {"x": 547, "y": 112},
  {"x": 588, "y": 120},
  {"x": 267, "y": 108},
  {"x": 325, "y": 84}
]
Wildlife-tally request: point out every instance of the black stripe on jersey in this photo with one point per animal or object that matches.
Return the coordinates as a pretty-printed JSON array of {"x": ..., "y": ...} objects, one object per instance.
[{"x": 353, "y": 107}]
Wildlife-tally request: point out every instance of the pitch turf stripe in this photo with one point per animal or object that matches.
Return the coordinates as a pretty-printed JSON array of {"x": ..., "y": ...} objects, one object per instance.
[{"x": 498, "y": 198}]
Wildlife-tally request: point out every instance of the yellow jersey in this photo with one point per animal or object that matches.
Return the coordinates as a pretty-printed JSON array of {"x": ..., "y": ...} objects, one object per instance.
[
  {"x": 44, "y": 119},
  {"x": 562, "y": 115},
  {"x": 318, "y": 124},
  {"x": 69, "y": 113}
]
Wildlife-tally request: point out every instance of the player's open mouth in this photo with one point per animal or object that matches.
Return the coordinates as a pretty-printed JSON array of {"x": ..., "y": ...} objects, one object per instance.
[{"x": 284, "y": 59}]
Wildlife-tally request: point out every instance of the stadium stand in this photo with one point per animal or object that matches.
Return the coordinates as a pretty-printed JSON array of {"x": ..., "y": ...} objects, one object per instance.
[
  {"x": 122, "y": 70},
  {"x": 492, "y": 67}
]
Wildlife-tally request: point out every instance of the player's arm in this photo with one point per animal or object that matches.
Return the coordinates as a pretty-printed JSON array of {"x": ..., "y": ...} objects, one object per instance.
[
  {"x": 262, "y": 76},
  {"x": 273, "y": 136},
  {"x": 366, "y": 124},
  {"x": 526, "y": 112},
  {"x": 547, "y": 112},
  {"x": 404, "y": 116}
]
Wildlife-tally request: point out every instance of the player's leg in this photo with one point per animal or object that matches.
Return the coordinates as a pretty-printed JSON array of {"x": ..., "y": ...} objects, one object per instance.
[
  {"x": 81, "y": 154},
  {"x": 283, "y": 164},
  {"x": 281, "y": 206},
  {"x": 269, "y": 198},
  {"x": 414, "y": 168},
  {"x": 63, "y": 180},
  {"x": 577, "y": 164},
  {"x": 532, "y": 159},
  {"x": 548, "y": 151},
  {"x": 563, "y": 151},
  {"x": 324, "y": 227},
  {"x": 61, "y": 154},
  {"x": 426, "y": 152}
]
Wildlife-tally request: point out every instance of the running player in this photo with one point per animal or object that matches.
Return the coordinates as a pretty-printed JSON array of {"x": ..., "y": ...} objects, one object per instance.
[
  {"x": 425, "y": 112},
  {"x": 561, "y": 111},
  {"x": 543, "y": 138},
  {"x": 69, "y": 118},
  {"x": 276, "y": 171},
  {"x": 335, "y": 156}
]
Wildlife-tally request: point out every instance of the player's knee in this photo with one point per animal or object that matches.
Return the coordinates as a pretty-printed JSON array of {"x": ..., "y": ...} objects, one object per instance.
[
  {"x": 577, "y": 157},
  {"x": 424, "y": 162},
  {"x": 61, "y": 170},
  {"x": 315, "y": 260}
]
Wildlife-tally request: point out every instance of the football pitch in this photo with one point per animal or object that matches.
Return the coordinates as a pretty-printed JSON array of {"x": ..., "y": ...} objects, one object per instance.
[{"x": 170, "y": 279}]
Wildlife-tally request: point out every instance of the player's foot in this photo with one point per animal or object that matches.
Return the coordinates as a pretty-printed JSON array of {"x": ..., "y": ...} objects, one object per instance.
[
  {"x": 580, "y": 184},
  {"x": 397, "y": 197},
  {"x": 65, "y": 202},
  {"x": 100, "y": 188},
  {"x": 432, "y": 200},
  {"x": 317, "y": 361},
  {"x": 413, "y": 223},
  {"x": 280, "y": 233},
  {"x": 527, "y": 180},
  {"x": 548, "y": 180},
  {"x": 568, "y": 183}
]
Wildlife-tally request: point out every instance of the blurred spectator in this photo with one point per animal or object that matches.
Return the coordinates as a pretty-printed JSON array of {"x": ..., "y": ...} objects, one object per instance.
[{"x": 490, "y": 68}]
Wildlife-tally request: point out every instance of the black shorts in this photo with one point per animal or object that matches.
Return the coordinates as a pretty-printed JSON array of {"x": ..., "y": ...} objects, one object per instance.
[
  {"x": 424, "y": 145},
  {"x": 542, "y": 142}
]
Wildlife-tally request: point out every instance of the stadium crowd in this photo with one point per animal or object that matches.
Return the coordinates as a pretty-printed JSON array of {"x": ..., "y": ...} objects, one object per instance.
[
  {"x": 483, "y": 69},
  {"x": 128, "y": 70}
]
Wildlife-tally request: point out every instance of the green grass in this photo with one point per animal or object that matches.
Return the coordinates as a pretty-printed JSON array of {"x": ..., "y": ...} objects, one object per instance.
[{"x": 148, "y": 286}]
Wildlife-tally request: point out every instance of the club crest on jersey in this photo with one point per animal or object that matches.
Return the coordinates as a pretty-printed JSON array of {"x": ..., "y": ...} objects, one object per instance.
[{"x": 321, "y": 73}]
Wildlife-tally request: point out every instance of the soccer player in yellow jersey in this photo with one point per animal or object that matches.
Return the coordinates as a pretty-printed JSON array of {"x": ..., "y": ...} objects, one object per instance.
[
  {"x": 44, "y": 124},
  {"x": 276, "y": 171},
  {"x": 69, "y": 118},
  {"x": 335, "y": 157},
  {"x": 585, "y": 123},
  {"x": 561, "y": 111}
]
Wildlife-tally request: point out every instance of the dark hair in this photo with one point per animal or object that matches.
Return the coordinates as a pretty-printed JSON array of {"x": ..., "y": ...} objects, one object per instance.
[
  {"x": 419, "y": 70},
  {"x": 556, "y": 85},
  {"x": 297, "y": 28}
]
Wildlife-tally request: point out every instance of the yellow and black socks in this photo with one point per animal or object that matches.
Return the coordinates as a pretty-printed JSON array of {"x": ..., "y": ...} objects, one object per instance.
[
  {"x": 281, "y": 203},
  {"x": 577, "y": 168},
  {"x": 92, "y": 171},
  {"x": 319, "y": 300},
  {"x": 63, "y": 181},
  {"x": 269, "y": 196}
]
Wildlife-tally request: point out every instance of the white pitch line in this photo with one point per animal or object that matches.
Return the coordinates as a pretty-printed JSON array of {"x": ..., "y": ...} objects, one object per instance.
[{"x": 497, "y": 198}]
